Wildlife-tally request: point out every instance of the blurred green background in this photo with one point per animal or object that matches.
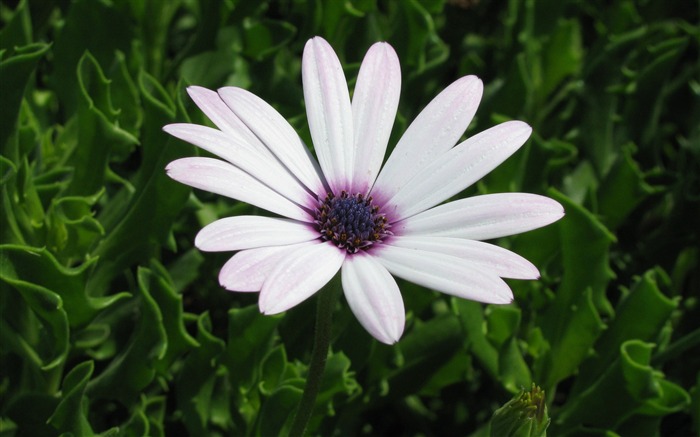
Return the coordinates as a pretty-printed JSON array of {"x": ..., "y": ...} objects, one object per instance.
[{"x": 112, "y": 323}]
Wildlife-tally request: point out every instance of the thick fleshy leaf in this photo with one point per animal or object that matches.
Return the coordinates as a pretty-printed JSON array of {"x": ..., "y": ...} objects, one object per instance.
[
  {"x": 436, "y": 130},
  {"x": 220, "y": 177},
  {"x": 457, "y": 169},
  {"x": 299, "y": 275},
  {"x": 374, "y": 297},
  {"x": 485, "y": 256},
  {"x": 444, "y": 273},
  {"x": 277, "y": 135},
  {"x": 247, "y": 232},
  {"x": 247, "y": 270},
  {"x": 374, "y": 105},
  {"x": 262, "y": 166},
  {"x": 484, "y": 217},
  {"x": 69, "y": 416},
  {"x": 329, "y": 112}
]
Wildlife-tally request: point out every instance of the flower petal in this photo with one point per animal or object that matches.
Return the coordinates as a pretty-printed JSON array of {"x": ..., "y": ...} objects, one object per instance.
[
  {"x": 276, "y": 133},
  {"x": 216, "y": 110},
  {"x": 263, "y": 167},
  {"x": 458, "y": 168},
  {"x": 436, "y": 130},
  {"x": 373, "y": 297},
  {"x": 328, "y": 111},
  {"x": 484, "y": 217},
  {"x": 222, "y": 178},
  {"x": 299, "y": 275},
  {"x": 250, "y": 231},
  {"x": 444, "y": 273},
  {"x": 246, "y": 270},
  {"x": 484, "y": 256},
  {"x": 374, "y": 105}
]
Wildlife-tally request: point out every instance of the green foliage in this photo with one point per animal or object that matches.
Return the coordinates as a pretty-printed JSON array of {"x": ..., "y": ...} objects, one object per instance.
[{"x": 111, "y": 323}]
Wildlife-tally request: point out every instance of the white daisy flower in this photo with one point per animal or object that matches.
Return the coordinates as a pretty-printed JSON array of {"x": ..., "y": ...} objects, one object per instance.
[{"x": 347, "y": 213}]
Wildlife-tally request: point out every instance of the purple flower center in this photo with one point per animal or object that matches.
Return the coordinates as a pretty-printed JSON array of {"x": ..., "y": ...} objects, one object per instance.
[{"x": 351, "y": 221}]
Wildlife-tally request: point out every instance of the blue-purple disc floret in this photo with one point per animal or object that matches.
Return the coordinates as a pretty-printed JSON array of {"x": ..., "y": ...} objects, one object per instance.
[{"x": 351, "y": 221}]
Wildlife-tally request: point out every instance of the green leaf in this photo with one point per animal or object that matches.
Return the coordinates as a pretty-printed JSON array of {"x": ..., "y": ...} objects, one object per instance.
[
  {"x": 641, "y": 315},
  {"x": 30, "y": 412},
  {"x": 471, "y": 315},
  {"x": 17, "y": 30},
  {"x": 275, "y": 370},
  {"x": 263, "y": 38},
  {"x": 71, "y": 414},
  {"x": 574, "y": 343},
  {"x": 338, "y": 379},
  {"x": 572, "y": 322},
  {"x": 426, "y": 348},
  {"x": 43, "y": 334},
  {"x": 623, "y": 189},
  {"x": 250, "y": 336},
  {"x": 99, "y": 131},
  {"x": 21, "y": 263},
  {"x": 195, "y": 383},
  {"x": 71, "y": 228},
  {"x": 136, "y": 229},
  {"x": 629, "y": 386},
  {"x": 185, "y": 269},
  {"x": 275, "y": 415},
  {"x": 179, "y": 340},
  {"x": 134, "y": 367},
  {"x": 561, "y": 57},
  {"x": 16, "y": 72},
  {"x": 78, "y": 34}
]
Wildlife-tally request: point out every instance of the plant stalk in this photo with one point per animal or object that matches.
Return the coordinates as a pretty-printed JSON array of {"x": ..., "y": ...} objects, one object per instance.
[{"x": 327, "y": 298}]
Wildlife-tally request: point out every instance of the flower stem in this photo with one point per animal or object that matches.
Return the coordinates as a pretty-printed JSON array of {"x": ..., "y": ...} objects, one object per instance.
[{"x": 327, "y": 298}]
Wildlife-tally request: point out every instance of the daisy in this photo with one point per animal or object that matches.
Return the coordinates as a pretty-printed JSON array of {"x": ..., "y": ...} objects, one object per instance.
[{"x": 345, "y": 212}]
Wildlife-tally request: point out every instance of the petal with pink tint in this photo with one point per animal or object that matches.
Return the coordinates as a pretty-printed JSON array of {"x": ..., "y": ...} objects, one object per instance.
[
  {"x": 276, "y": 133},
  {"x": 216, "y": 110},
  {"x": 483, "y": 256},
  {"x": 246, "y": 270},
  {"x": 445, "y": 273},
  {"x": 374, "y": 105},
  {"x": 262, "y": 166},
  {"x": 300, "y": 275},
  {"x": 435, "y": 131},
  {"x": 374, "y": 297},
  {"x": 328, "y": 111},
  {"x": 459, "y": 168},
  {"x": 250, "y": 231},
  {"x": 222, "y": 178},
  {"x": 484, "y": 217}
]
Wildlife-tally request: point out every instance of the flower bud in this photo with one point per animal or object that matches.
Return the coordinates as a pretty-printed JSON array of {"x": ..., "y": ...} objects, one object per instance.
[{"x": 523, "y": 416}]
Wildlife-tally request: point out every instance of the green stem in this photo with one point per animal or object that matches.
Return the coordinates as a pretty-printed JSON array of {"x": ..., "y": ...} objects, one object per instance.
[{"x": 327, "y": 298}]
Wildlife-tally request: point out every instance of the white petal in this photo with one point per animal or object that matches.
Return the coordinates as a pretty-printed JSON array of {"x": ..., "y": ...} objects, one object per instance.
[
  {"x": 213, "y": 107},
  {"x": 458, "y": 168},
  {"x": 328, "y": 111},
  {"x": 484, "y": 217},
  {"x": 250, "y": 231},
  {"x": 444, "y": 273},
  {"x": 483, "y": 256},
  {"x": 436, "y": 130},
  {"x": 373, "y": 297},
  {"x": 263, "y": 167},
  {"x": 276, "y": 133},
  {"x": 222, "y": 178},
  {"x": 247, "y": 269},
  {"x": 374, "y": 105},
  {"x": 299, "y": 275}
]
